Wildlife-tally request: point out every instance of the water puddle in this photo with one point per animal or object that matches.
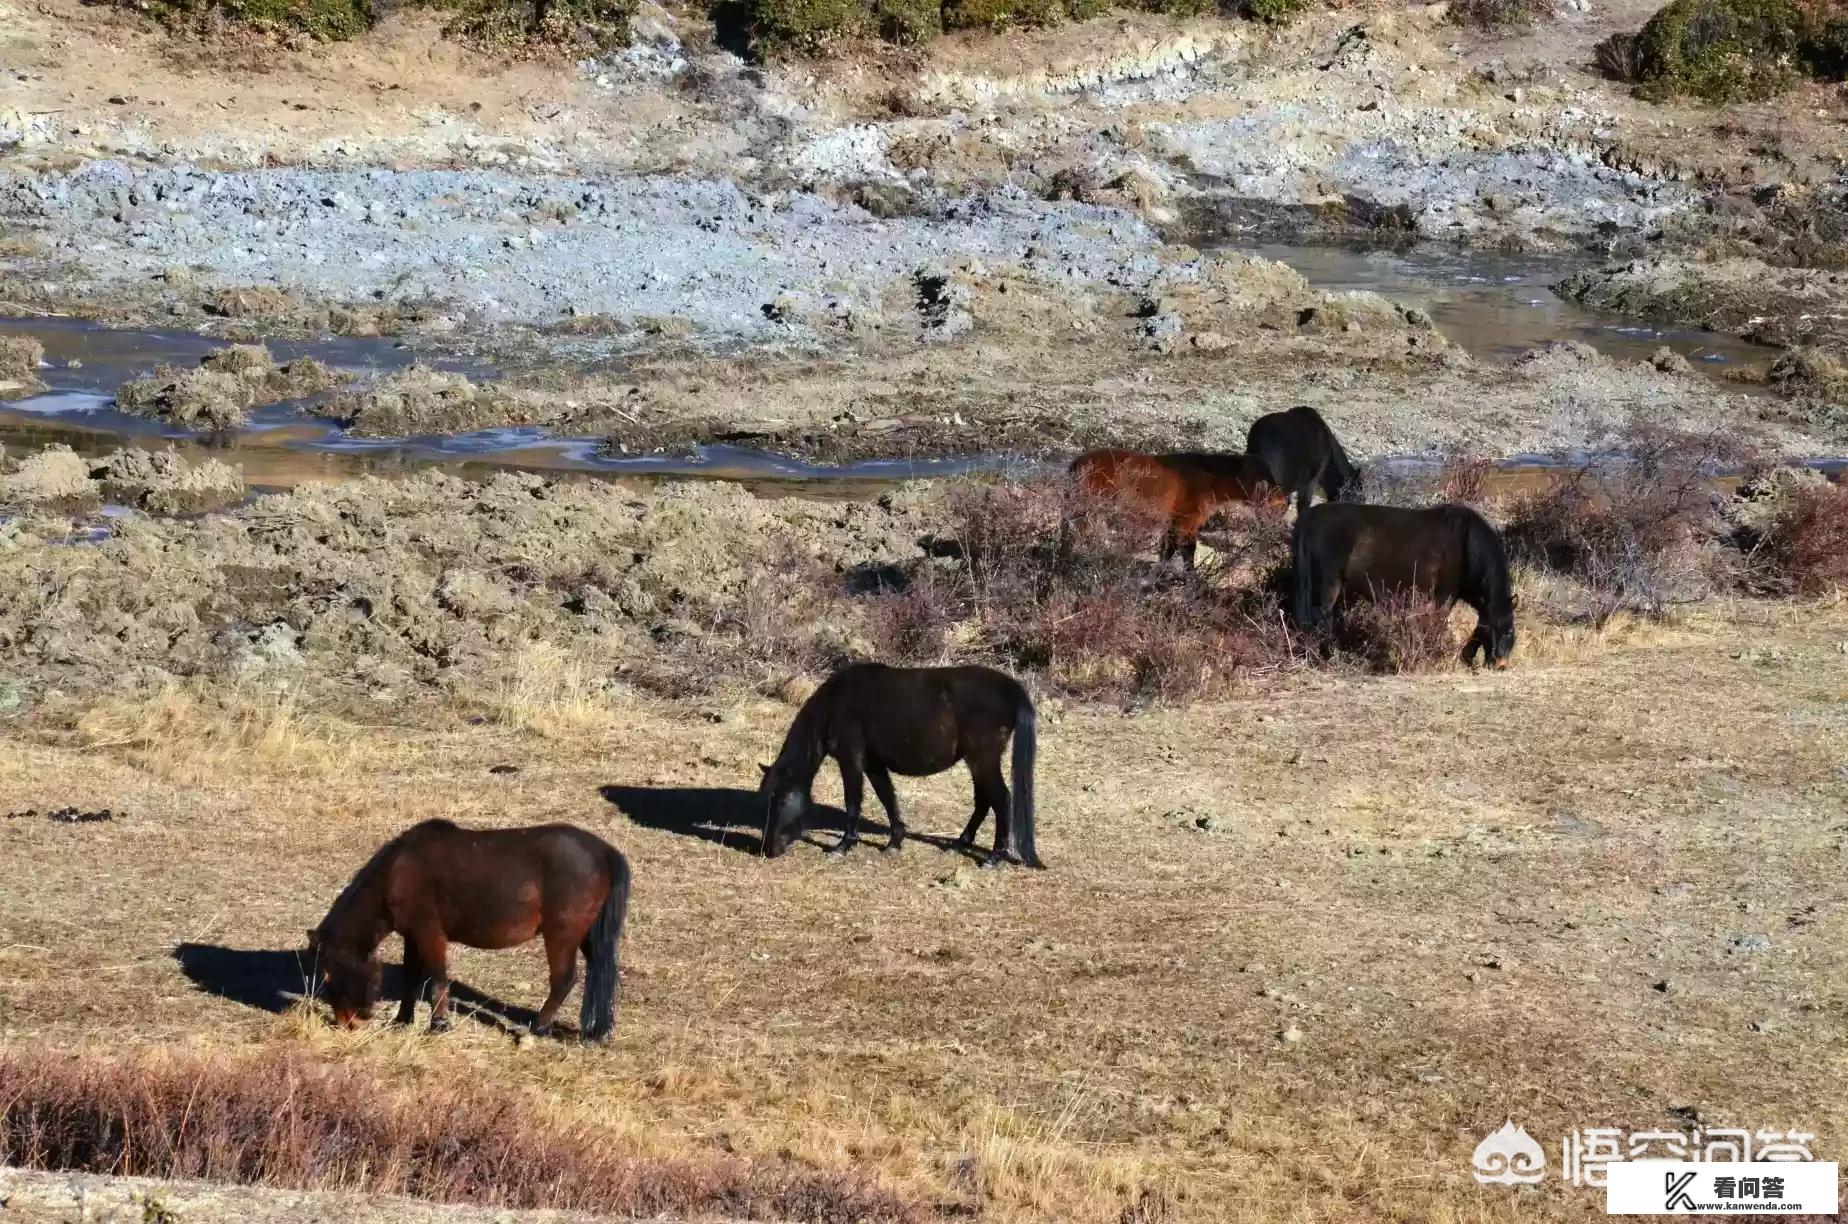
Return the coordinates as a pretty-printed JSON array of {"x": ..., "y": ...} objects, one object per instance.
[
  {"x": 1500, "y": 305},
  {"x": 1494, "y": 305}
]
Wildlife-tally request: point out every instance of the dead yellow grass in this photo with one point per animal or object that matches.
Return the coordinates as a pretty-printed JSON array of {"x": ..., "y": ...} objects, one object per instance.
[{"x": 1457, "y": 891}]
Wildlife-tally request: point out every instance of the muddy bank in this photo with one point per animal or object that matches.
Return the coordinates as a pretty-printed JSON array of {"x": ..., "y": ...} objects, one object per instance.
[
  {"x": 1725, "y": 292},
  {"x": 57, "y": 480}
]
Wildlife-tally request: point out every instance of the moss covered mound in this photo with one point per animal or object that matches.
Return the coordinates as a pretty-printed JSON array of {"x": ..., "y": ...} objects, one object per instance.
[{"x": 1738, "y": 50}]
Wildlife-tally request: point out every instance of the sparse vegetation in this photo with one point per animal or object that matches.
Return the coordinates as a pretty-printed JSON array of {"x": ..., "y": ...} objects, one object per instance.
[
  {"x": 1635, "y": 526},
  {"x": 19, "y": 363},
  {"x": 280, "y": 1119},
  {"x": 1499, "y": 14},
  {"x": 323, "y": 19}
]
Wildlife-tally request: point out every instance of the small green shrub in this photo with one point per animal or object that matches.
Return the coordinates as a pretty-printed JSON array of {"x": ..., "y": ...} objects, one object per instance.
[
  {"x": 906, "y": 22},
  {"x": 997, "y": 15},
  {"x": 593, "y": 24},
  {"x": 1825, "y": 48},
  {"x": 325, "y": 19},
  {"x": 804, "y": 25},
  {"x": 1499, "y": 14},
  {"x": 1720, "y": 50},
  {"x": 1184, "y": 8},
  {"x": 1274, "y": 12}
]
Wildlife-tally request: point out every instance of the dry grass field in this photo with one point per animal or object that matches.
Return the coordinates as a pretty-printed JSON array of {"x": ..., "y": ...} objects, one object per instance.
[{"x": 1295, "y": 954}]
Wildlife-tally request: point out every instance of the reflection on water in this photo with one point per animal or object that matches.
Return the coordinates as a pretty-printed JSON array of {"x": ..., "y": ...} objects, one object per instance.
[{"x": 1500, "y": 305}]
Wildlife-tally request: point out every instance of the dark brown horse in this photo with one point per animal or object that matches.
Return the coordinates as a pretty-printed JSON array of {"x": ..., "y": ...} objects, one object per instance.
[
  {"x": 1344, "y": 550},
  {"x": 876, "y": 721},
  {"x": 1297, "y": 452},
  {"x": 436, "y": 884},
  {"x": 1181, "y": 490}
]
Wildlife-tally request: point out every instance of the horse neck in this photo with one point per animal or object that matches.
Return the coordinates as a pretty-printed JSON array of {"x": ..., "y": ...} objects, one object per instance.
[
  {"x": 1233, "y": 477},
  {"x": 357, "y": 917},
  {"x": 800, "y": 757}
]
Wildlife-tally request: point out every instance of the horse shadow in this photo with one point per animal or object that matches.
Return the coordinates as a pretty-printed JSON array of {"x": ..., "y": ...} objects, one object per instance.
[
  {"x": 734, "y": 818},
  {"x": 274, "y": 980}
]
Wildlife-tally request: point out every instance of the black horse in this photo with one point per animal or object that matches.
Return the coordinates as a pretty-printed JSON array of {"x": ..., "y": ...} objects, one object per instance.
[
  {"x": 876, "y": 720},
  {"x": 1297, "y": 452},
  {"x": 1448, "y": 552}
]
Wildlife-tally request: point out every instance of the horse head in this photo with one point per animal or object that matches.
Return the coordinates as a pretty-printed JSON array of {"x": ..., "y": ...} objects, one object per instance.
[
  {"x": 786, "y": 805},
  {"x": 348, "y": 981}
]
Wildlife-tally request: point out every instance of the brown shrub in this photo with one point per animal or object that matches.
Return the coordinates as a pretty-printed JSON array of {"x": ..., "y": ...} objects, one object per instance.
[
  {"x": 1394, "y": 632},
  {"x": 279, "y": 1119},
  {"x": 1635, "y": 524},
  {"x": 1803, "y": 548},
  {"x": 1042, "y": 577}
]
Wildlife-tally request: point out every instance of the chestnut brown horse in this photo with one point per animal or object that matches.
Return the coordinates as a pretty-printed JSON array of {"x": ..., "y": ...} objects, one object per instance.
[
  {"x": 437, "y": 884},
  {"x": 1182, "y": 490},
  {"x": 1345, "y": 550},
  {"x": 876, "y": 721}
]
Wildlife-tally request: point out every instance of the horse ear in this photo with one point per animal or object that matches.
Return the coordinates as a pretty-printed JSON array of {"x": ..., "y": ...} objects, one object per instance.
[
  {"x": 1514, "y": 603},
  {"x": 314, "y": 939},
  {"x": 764, "y": 767}
]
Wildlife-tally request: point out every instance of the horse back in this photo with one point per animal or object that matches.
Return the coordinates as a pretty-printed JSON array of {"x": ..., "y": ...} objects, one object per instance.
[
  {"x": 1379, "y": 548},
  {"x": 1111, "y": 472},
  {"x": 920, "y": 720},
  {"x": 491, "y": 886}
]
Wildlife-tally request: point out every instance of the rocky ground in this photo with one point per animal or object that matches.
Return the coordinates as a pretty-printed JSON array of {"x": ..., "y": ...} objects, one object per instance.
[{"x": 852, "y": 257}]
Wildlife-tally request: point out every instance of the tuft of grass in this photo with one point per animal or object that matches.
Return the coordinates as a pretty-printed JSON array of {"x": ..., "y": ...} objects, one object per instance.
[
  {"x": 280, "y": 1119},
  {"x": 1620, "y": 57},
  {"x": 1499, "y": 14},
  {"x": 593, "y": 25},
  {"x": 181, "y": 732}
]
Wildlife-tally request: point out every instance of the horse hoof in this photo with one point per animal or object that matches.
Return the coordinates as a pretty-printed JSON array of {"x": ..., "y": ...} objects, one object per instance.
[
  {"x": 835, "y": 852},
  {"x": 894, "y": 847},
  {"x": 992, "y": 862},
  {"x": 439, "y": 1026}
]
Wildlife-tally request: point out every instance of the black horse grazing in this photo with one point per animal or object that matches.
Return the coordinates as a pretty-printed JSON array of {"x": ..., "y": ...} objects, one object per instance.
[
  {"x": 1449, "y": 552},
  {"x": 486, "y": 888},
  {"x": 876, "y": 720},
  {"x": 1297, "y": 452}
]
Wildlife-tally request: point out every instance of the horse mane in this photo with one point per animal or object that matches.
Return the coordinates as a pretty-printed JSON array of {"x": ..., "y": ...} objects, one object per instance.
[
  {"x": 801, "y": 753},
  {"x": 363, "y": 878},
  {"x": 1485, "y": 559}
]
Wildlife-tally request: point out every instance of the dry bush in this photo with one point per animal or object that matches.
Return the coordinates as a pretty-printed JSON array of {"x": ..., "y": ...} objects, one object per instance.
[
  {"x": 1636, "y": 525},
  {"x": 1802, "y": 546},
  {"x": 1396, "y": 632},
  {"x": 1457, "y": 476},
  {"x": 1037, "y": 576},
  {"x": 279, "y": 1119},
  {"x": 1620, "y": 57},
  {"x": 1500, "y": 14}
]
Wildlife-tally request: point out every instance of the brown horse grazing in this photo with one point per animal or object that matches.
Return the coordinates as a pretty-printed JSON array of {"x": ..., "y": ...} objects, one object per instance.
[
  {"x": 876, "y": 720},
  {"x": 1297, "y": 452},
  {"x": 1183, "y": 489},
  {"x": 435, "y": 884},
  {"x": 1342, "y": 549}
]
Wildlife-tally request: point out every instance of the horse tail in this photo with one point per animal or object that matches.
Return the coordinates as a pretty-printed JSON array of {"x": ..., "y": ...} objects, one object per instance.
[
  {"x": 1026, "y": 746},
  {"x": 598, "y": 1015},
  {"x": 1302, "y": 607}
]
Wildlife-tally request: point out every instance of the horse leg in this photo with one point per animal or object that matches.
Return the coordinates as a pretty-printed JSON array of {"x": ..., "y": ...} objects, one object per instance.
[
  {"x": 413, "y": 984},
  {"x": 1170, "y": 543},
  {"x": 991, "y": 789},
  {"x": 966, "y": 841},
  {"x": 433, "y": 955},
  {"x": 888, "y": 799},
  {"x": 561, "y": 960},
  {"x": 853, "y": 791},
  {"x": 1305, "y": 494}
]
